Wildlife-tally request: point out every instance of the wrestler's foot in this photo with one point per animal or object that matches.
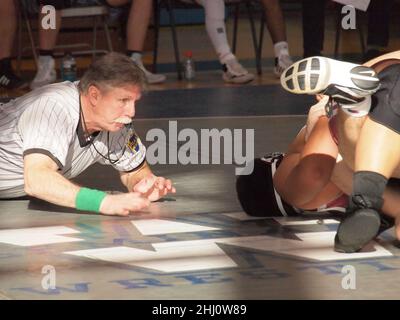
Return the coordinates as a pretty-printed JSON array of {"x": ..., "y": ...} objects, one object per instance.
[
  {"x": 356, "y": 230},
  {"x": 361, "y": 223},
  {"x": 346, "y": 82}
]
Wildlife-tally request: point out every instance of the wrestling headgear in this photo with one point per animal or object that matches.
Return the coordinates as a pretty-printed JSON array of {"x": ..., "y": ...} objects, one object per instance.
[{"x": 256, "y": 192}]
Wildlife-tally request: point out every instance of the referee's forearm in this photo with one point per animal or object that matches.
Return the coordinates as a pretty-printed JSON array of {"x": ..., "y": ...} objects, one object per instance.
[{"x": 51, "y": 186}]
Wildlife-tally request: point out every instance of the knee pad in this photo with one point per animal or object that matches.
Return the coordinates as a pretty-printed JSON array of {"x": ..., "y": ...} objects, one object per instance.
[
  {"x": 256, "y": 192},
  {"x": 368, "y": 188}
]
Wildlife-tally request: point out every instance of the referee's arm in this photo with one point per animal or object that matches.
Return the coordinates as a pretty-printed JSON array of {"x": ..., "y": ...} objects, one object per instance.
[{"x": 44, "y": 182}]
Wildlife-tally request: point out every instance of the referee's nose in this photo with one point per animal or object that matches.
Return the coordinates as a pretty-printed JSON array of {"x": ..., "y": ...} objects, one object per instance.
[{"x": 130, "y": 108}]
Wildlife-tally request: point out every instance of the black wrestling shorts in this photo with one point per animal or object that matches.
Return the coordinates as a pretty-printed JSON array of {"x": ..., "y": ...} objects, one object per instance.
[{"x": 385, "y": 107}]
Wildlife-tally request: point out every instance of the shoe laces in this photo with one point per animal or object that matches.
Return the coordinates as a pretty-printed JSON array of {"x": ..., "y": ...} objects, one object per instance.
[{"x": 365, "y": 202}]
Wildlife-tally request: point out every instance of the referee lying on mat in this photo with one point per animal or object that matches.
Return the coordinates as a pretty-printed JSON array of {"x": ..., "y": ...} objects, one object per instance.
[{"x": 52, "y": 134}]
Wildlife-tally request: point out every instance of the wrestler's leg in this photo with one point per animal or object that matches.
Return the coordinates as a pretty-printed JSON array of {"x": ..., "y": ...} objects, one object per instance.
[
  {"x": 376, "y": 158},
  {"x": 378, "y": 149},
  {"x": 342, "y": 177},
  {"x": 303, "y": 177}
]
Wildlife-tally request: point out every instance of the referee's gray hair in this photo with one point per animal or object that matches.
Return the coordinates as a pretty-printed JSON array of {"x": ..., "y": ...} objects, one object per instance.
[{"x": 112, "y": 70}]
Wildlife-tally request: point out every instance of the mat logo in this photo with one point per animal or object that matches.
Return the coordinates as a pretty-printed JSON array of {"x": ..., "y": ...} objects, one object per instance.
[
  {"x": 198, "y": 148},
  {"x": 191, "y": 255},
  {"x": 49, "y": 18}
]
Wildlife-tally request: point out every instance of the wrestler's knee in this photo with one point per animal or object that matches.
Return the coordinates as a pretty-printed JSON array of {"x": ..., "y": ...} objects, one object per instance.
[{"x": 316, "y": 170}]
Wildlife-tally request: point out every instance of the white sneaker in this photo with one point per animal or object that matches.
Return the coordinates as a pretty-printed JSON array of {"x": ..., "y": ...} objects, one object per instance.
[
  {"x": 152, "y": 78},
  {"x": 234, "y": 72},
  {"x": 346, "y": 82},
  {"x": 281, "y": 64},
  {"x": 46, "y": 72}
]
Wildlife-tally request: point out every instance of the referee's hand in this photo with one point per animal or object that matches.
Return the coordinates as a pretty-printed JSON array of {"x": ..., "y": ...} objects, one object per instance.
[
  {"x": 123, "y": 204},
  {"x": 154, "y": 188}
]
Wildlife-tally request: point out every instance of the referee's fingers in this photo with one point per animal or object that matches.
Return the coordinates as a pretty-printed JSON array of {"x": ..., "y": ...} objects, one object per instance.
[
  {"x": 144, "y": 185},
  {"x": 160, "y": 183},
  {"x": 138, "y": 200}
]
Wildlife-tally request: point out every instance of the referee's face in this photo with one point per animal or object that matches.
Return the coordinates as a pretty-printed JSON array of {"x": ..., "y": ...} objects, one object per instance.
[{"x": 116, "y": 107}]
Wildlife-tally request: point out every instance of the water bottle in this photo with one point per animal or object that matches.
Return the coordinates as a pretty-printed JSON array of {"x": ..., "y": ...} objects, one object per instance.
[
  {"x": 188, "y": 66},
  {"x": 68, "y": 68}
]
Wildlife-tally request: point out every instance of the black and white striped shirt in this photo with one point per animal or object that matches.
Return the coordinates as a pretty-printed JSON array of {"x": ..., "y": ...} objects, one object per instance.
[{"x": 46, "y": 121}]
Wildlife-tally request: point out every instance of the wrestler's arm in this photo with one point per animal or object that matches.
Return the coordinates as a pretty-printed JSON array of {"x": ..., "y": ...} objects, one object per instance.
[
  {"x": 297, "y": 145},
  {"x": 143, "y": 180},
  {"x": 43, "y": 181}
]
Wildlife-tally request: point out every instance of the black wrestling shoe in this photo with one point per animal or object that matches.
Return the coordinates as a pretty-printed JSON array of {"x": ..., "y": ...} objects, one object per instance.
[
  {"x": 9, "y": 80},
  {"x": 361, "y": 224},
  {"x": 346, "y": 82},
  {"x": 386, "y": 223},
  {"x": 356, "y": 230},
  {"x": 341, "y": 246}
]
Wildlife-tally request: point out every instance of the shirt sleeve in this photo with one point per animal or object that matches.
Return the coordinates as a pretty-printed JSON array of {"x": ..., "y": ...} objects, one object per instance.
[
  {"x": 46, "y": 127},
  {"x": 126, "y": 150}
]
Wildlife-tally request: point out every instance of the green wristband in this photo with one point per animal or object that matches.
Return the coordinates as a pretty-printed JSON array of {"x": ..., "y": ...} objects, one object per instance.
[{"x": 89, "y": 199}]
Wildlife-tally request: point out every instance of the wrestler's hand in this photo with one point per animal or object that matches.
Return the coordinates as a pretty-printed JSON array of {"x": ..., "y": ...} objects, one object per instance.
[
  {"x": 315, "y": 112},
  {"x": 153, "y": 187},
  {"x": 123, "y": 204}
]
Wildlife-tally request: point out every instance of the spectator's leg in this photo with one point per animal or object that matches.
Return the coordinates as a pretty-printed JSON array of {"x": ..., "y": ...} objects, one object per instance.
[
  {"x": 378, "y": 27},
  {"x": 234, "y": 72},
  {"x": 215, "y": 26},
  {"x": 48, "y": 37},
  {"x": 277, "y": 29},
  {"x": 138, "y": 23},
  {"x": 275, "y": 21},
  {"x": 313, "y": 27},
  {"x": 46, "y": 72},
  {"x": 8, "y": 27}
]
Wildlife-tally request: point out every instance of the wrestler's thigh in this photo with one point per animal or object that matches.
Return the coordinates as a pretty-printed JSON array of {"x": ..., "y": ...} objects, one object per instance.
[
  {"x": 348, "y": 132},
  {"x": 349, "y": 129}
]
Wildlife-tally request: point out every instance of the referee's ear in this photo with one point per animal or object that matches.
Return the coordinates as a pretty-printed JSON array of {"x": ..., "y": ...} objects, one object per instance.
[{"x": 94, "y": 95}]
